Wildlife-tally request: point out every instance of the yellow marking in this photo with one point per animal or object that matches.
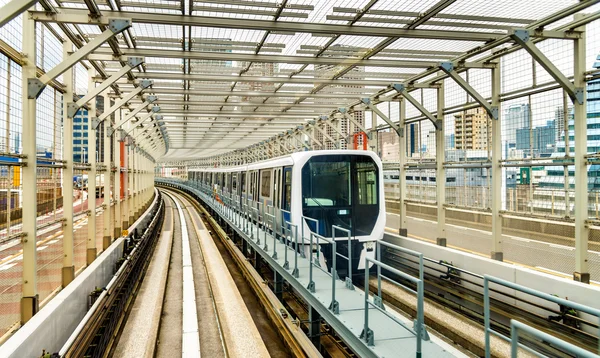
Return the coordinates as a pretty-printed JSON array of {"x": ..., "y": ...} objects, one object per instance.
[{"x": 125, "y": 232}]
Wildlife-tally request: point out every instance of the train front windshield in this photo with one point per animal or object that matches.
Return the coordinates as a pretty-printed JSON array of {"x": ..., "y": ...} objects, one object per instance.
[{"x": 341, "y": 190}]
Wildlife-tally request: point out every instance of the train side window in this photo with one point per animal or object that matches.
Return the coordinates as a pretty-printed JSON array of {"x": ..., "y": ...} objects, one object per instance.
[
  {"x": 265, "y": 183},
  {"x": 287, "y": 188},
  {"x": 243, "y": 182},
  {"x": 234, "y": 183},
  {"x": 366, "y": 173}
]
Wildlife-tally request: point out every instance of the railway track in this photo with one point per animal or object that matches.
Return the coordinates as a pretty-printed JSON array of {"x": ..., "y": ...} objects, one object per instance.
[{"x": 279, "y": 340}]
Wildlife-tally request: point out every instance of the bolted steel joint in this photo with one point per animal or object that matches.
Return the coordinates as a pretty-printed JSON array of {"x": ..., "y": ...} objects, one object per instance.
[
  {"x": 118, "y": 25},
  {"x": 34, "y": 87},
  {"x": 72, "y": 109},
  {"x": 135, "y": 61},
  {"x": 521, "y": 34},
  {"x": 145, "y": 83},
  {"x": 447, "y": 66},
  {"x": 399, "y": 87}
]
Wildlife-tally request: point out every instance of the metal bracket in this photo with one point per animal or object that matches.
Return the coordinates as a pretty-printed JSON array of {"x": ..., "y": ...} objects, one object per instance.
[
  {"x": 424, "y": 333},
  {"x": 155, "y": 108},
  {"x": 135, "y": 61},
  {"x": 145, "y": 83},
  {"x": 522, "y": 34},
  {"x": 95, "y": 122},
  {"x": 72, "y": 109},
  {"x": 109, "y": 131},
  {"x": 118, "y": 25},
  {"x": 34, "y": 87}
]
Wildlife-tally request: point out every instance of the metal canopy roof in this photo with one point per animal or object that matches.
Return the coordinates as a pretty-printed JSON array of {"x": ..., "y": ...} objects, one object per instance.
[{"x": 232, "y": 73}]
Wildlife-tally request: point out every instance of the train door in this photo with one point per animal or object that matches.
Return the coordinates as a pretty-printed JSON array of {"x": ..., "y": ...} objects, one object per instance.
[
  {"x": 255, "y": 187},
  {"x": 286, "y": 189},
  {"x": 243, "y": 187}
]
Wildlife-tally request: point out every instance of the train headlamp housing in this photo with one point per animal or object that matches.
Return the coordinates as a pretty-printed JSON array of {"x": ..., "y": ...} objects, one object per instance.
[{"x": 370, "y": 245}]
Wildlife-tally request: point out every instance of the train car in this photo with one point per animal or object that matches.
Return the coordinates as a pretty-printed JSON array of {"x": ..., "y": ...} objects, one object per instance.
[{"x": 336, "y": 187}]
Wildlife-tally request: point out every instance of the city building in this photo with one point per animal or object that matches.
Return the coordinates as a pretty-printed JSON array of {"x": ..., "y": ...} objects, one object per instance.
[
  {"x": 540, "y": 140},
  {"x": 471, "y": 130}
]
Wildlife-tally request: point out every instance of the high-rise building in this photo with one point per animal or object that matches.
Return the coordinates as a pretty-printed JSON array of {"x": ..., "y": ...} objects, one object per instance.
[
  {"x": 516, "y": 117},
  {"x": 81, "y": 123},
  {"x": 471, "y": 129},
  {"x": 542, "y": 140}
]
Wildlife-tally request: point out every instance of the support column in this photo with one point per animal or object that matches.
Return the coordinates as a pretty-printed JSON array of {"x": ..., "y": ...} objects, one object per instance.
[
  {"x": 117, "y": 178},
  {"x": 125, "y": 176},
  {"x": 132, "y": 206},
  {"x": 91, "y": 232},
  {"x": 106, "y": 177},
  {"x": 496, "y": 169},
  {"x": 29, "y": 301},
  {"x": 68, "y": 268},
  {"x": 581, "y": 273},
  {"x": 403, "y": 229},
  {"x": 440, "y": 181},
  {"x": 314, "y": 327},
  {"x": 374, "y": 135}
]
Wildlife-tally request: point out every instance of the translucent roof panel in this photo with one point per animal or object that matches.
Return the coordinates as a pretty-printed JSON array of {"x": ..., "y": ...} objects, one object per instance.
[{"x": 222, "y": 69}]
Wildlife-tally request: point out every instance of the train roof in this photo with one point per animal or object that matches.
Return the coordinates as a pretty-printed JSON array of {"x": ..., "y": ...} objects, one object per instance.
[{"x": 287, "y": 160}]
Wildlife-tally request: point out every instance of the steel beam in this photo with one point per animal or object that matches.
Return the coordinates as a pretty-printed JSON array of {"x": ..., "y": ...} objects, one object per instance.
[
  {"x": 117, "y": 177},
  {"x": 121, "y": 102},
  {"x": 400, "y": 88},
  {"x": 36, "y": 85},
  {"x": 256, "y": 79},
  {"x": 316, "y": 125},
  {"x": 80, "y": 16},
  {"x": 386, "y": 119},
  {"x": 138, "y": 109},
  {"x": 213, "y": 93},
  {"x": 523, "y": 37},
  {"x": 440, "y": 172},
  {"x": 496, "y": 170},
  {"x": 101, "y": 55},
  {"x": 312, "y": 137},
  {"x": 13, "y": 9},
  {"x": 91, "y": 250},
  {"x": 403, "y": 228},
  {"x": 30, "y": 298},
  {"x": 94, "y": 91},
  {"x": 582, "y": 270},
  {"x": 68, "y": 268},
  {"x": 448, "y": 68},
  {"x": 106, "y": 178}
]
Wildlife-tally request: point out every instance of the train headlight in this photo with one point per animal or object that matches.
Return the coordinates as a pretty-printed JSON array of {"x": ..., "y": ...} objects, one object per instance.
[{"x": 370, "y": 245}]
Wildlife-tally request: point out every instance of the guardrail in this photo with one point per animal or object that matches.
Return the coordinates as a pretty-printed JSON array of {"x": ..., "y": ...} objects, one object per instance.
[{"x": 487, "y": 315}]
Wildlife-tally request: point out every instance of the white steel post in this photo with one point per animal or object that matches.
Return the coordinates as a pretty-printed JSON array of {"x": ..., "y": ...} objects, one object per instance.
[
  {"x": 403, "y": 229},
  {"x": 107, "y": 235},
  {"x": 132, "y": 208},
  {"x": 374, "y": 134},
  {"x": 496, "y": 169},
  {"x": 117, "y": 176},
  {"x": 91, "y": 232},
  {"x": 440, "y": 180},
  {"x": 581, "y": 273},
  {"x": 68, "y": 268},
  {"x": 126, "y": 202},
  {"x": 29, "y": 301}
]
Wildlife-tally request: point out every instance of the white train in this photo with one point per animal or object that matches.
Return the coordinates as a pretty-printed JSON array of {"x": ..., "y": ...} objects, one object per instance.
[{"x": 335, "y": 187}]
